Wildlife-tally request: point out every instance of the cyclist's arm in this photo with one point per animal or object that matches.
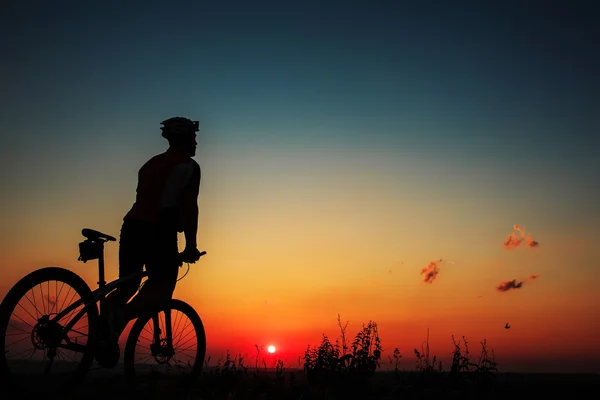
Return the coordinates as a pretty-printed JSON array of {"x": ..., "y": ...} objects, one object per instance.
[{"x": 189, "y": 205}]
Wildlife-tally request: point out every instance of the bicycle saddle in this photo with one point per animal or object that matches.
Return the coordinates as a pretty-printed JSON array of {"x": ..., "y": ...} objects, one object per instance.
[{"x": 91, "y": 234}]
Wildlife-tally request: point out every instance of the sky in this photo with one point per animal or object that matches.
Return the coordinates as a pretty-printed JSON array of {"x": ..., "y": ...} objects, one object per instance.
[{"x": 344, "y": 147}]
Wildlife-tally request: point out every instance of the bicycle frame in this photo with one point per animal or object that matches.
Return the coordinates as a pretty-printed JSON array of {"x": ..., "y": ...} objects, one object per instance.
[{"x": 99, "y": 294}]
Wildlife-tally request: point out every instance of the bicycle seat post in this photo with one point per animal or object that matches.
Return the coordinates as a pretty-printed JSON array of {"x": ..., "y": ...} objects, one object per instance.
[
  {"x": 101, "y": 281},
  {"x": 92, "y": 248}
]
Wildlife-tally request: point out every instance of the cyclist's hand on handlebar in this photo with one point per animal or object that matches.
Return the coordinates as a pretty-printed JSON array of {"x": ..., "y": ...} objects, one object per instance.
[{"x": 190, "y": 255}]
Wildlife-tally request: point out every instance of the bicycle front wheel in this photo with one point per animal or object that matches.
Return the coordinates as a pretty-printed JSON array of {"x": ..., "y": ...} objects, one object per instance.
[
  {"x": 171, "y": 341},
  {"x": 45, "y": 338}
]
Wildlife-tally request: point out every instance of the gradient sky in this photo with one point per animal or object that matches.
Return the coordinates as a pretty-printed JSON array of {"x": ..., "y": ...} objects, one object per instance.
[{"x": 343, "y": 147}]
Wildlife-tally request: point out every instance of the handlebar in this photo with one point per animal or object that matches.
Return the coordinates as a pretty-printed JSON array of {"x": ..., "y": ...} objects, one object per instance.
[{"x": 182, "y": 260}]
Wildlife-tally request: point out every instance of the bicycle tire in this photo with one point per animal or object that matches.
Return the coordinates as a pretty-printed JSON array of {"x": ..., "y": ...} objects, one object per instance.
[
  {"x": 21, "y": 288},
  {"x": 136, "y": 329}
]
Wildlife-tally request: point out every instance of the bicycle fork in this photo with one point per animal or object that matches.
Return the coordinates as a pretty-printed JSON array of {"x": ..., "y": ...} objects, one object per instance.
[{"x": 162, "y": 348}]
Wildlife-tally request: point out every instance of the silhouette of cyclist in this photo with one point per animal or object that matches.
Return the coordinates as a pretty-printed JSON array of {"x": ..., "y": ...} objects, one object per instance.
[{"x": 166, "y": 203}]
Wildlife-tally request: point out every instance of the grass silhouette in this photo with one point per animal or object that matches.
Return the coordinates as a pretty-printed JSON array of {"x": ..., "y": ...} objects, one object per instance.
[{"x": 336, "y": 370}]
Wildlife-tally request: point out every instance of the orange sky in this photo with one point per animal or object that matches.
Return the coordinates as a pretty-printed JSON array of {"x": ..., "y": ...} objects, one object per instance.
[{"x": 286, "y": 283}]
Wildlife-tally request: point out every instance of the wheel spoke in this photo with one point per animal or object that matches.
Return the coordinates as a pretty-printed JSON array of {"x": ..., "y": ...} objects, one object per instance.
[
  {"x": 63, "y": 303},
  {"x": 58, "y": 295},
  {"x": 16, "y": 327},
  {"x": 25, "y": 351},
  {"x": 79, "y": 348},
  {"x": 42, "y": 297},
  {"x": 18, "y": 341},
  {"x": 34, "y": 306}
]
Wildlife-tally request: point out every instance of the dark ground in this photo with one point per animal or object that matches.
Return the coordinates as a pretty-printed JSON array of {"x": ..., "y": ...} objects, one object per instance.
[{"x": 293, "y": 385}]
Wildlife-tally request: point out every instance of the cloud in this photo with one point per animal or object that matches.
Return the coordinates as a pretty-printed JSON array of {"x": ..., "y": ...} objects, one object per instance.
[
  {"x": 515, "y": 239},
  {"x": 510, "y": 285},
  {"x": 520, "y": 230},
  {"x": 512, "y": 242},
  {"x": 431, "y": 271},
  {"x": 530, "y": 242}
]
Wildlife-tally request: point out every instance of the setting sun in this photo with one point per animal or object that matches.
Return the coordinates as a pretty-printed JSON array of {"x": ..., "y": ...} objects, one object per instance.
[{"x": 271, "y": 349}]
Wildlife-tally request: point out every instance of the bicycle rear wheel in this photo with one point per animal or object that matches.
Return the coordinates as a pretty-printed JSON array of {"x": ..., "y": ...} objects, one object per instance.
[
  {"x": 37, "y": 353},
  {"x": 149, "y": 350}
]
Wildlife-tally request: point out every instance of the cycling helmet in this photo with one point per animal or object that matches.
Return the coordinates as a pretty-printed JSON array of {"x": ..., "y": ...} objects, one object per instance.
[{"x": 178, "y": 126}]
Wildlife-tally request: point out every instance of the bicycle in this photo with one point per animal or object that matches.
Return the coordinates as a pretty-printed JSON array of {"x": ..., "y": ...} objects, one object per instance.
[{"x": 54, "y": 331}]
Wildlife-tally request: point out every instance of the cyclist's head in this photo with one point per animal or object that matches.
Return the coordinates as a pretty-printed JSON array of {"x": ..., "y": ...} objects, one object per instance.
[{"x": 181, "y": 133}]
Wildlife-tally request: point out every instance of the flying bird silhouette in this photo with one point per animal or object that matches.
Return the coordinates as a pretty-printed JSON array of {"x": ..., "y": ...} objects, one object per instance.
[{"x": 506, "y": 326}]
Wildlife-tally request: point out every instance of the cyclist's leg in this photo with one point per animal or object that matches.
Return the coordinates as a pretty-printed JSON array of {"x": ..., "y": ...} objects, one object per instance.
[
  {"x": 132, "y": 243},
  {"x": 163, "y": 268}
]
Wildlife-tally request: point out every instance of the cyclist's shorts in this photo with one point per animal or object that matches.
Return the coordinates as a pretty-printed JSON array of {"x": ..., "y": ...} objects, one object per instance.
[{"x": 143, "y": 243}]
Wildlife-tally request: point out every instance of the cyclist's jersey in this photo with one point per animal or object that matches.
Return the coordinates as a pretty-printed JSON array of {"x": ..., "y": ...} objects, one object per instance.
[{"x": 170, "y": 180}]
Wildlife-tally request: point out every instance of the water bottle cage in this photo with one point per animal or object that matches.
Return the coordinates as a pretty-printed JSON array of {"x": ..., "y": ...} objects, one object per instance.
[{"x": 89, "y": 250}]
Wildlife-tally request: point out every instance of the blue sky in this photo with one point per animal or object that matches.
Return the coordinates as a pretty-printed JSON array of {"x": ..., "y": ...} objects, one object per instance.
[
  {"x": 510, "y": 86},
  {"x": 505, "y": 93}
]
